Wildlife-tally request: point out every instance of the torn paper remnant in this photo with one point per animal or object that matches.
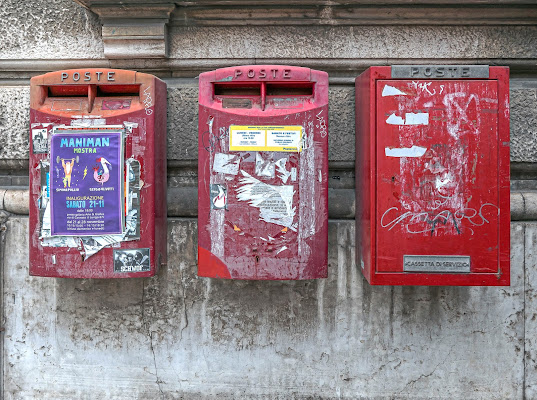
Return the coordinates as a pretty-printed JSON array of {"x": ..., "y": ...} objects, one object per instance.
[
  {"x": 410, "y": 119},
  {"x": 264, "y": 166},
  {"x": 275, "y": 203},
  {"x": 93, "y": 244},
  {"x": 283, "y": 174},
  {"x": 414, "y": 151},
  {"x": 226, "y": 163},
  {"x": 392, "y": 91}
]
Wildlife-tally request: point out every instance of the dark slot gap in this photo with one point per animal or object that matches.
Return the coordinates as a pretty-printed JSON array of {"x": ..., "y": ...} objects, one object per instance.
[
  {"x": 68, "y": 91},
  {"x": 289, "y": 90},
  {"x": 117, "y": 90},
  {"x": 237, "y": 90}
]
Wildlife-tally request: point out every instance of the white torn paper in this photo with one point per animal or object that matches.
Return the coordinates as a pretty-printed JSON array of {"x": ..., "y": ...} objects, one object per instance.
[
  {"x": 395, "y": 120},
  {"x": 391, "y": 91},
  {"x": 129, "y": 126},
  {"x": 226, "y": 163},
  {"x": 283, "y": 174},
  {"x": 264, "y": 166},
  {"x": 281, "y": 249},
  {"x": 293, "y": 174},
  {"x": 61, "y": 241},
  {"x": 414, "y": 151},
  {"x": 88, "y": 122},
  {"x": 410, "y": 119},
  {"x": 416, "y": 119},
  {"x": 275, "y": 203},
  {"x": 93, "y": 244}
]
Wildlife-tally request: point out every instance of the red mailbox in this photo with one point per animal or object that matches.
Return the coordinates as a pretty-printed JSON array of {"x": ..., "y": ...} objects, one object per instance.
[
  {"x": 263, "y": 170},
  {"x": 97, "y": 174},
  {"x": 432, "y": 175}
]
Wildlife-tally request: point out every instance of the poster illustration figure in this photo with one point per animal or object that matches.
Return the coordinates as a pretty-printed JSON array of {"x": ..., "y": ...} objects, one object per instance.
[
  {"x": 101, "y": 173},
  {"x": 67, "y": 170}
]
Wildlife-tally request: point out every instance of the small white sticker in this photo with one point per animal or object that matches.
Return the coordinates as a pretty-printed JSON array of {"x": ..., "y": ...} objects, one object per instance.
[
  {"x": 293, "y": 174},
  {"x": 410, "y": 119},
  {"x": 414, "y": 151},
  {"x": 392, "y": 91}
]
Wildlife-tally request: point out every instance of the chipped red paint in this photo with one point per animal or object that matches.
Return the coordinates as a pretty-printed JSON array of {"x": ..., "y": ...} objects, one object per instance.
[
  {"x": 250, "y": 242},
  {"x": 214, "y": 267},
  {"x": 432, "y": 179},
  {"x": 146, "y": 143}
]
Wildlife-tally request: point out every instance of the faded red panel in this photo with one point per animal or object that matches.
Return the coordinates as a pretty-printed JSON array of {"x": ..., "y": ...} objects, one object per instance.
[
  {"x": 439, "y": 181},
  {"x": 285, "y": 236},
  {"x": 138, "y": 99}
]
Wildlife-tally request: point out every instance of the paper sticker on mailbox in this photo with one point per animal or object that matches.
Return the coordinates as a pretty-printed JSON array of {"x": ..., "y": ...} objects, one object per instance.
[{"x": 265, "y": 138}]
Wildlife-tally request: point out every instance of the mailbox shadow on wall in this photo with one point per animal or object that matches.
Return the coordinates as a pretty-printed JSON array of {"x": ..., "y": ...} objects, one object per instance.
[
  {"x": 97, "y": 174},
  {"x": 432, "y": 175},
  {"x": 263, "y": 169}
]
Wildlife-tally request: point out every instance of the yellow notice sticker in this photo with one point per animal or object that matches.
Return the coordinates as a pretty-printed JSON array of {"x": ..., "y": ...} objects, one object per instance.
[{"x": 265, "y": 138}]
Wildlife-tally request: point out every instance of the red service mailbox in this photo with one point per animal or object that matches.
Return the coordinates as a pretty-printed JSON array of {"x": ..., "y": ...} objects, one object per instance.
[
  {"x": 432, "y": 175},
  {"x": 263, "y": 170},
  {"x": 97, "y": 174}
]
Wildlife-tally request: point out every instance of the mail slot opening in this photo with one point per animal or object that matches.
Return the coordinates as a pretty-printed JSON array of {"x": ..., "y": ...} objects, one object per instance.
[
  {"x": 287, "y": 90},
  {"x": 102, "y": 90},
  {"x": 118, "y": 90},
  {"x": 237, "y": 90},
  {"x": 68, "y": 91}
]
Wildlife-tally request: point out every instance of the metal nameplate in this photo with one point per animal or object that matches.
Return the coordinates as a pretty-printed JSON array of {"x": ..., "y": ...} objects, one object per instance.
[
  {"x": 446, "y": 264},
  {"x": 440, "y": 71}
]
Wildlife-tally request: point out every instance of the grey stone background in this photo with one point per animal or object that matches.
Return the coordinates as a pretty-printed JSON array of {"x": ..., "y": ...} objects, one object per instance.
[{"x": 179, "y": 336}]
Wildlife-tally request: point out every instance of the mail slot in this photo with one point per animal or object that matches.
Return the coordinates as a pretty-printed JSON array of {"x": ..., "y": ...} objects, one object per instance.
[
  {"x": 263, "y": 170},
  {"x": 432, "y": 175},
  {"x": 97, "y": 174}
]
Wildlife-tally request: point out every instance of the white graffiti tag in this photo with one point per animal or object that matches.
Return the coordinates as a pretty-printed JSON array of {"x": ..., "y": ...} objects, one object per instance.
[{"x": 429, "y": 221}]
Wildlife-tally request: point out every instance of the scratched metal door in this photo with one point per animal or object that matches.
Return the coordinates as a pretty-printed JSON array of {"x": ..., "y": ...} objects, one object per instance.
[{"x": 437, "y": 165}]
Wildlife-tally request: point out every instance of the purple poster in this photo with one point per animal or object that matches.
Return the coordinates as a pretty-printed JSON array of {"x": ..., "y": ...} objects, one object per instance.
[{"x": 86, "y": 170}]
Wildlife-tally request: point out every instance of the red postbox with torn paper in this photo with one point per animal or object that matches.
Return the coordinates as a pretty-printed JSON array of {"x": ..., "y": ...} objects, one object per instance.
[
  {"x": 432, "y": 175},
  {"x": 263, "y": 170},
  {"x": 97, "y": 174}
]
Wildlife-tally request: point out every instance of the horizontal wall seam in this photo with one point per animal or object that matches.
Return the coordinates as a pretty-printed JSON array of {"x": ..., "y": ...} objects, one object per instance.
[{"x": 183, "y": 202}]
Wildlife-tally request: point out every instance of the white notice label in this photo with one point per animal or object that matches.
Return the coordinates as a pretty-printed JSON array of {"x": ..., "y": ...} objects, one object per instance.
[
  {"x": 246, "y": 138},
  {"x": 265, "y": 138}
]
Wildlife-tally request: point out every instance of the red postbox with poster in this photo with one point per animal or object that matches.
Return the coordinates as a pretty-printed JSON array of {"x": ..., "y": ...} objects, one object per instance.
[
  {"x": 432, "y": 144},
  {"x": 263, "y": 170},
  {"x": 97, "y": 174}
]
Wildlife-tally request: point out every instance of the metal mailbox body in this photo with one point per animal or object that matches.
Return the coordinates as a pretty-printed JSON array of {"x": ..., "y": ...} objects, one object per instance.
[
  {"x": 432, "y": 175},
  {"x": 97, "y": 174},
  {"x": 263, "y": 169}
]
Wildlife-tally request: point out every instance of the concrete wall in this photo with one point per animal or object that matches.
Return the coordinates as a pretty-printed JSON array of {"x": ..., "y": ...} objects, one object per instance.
[{"x": 179, "y": 336}]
